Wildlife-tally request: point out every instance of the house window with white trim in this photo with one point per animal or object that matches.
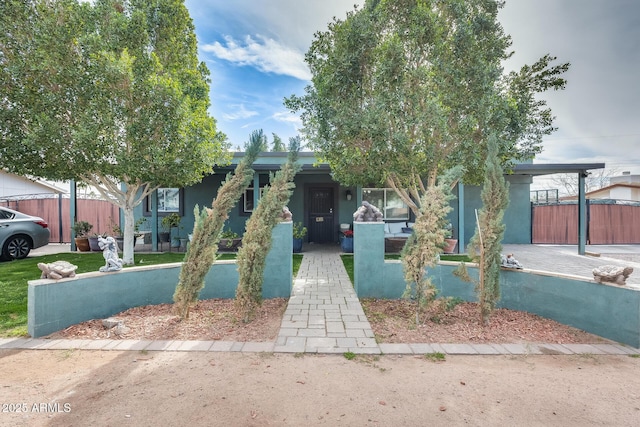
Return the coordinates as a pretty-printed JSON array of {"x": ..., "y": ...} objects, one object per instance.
[
  {"x": 388, "y": 201},
  {"x": 170, "y": 200},
  {"x": 247, "y": 201}
]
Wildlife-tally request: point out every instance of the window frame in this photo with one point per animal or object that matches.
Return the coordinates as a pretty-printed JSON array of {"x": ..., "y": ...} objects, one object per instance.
[
  {"x": 165, "y": 212},
  {"x": 383, "y": 209}
]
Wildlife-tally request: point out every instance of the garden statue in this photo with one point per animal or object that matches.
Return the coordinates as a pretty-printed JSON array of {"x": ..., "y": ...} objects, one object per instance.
[
  {"x": 57, "y": 270},
  {"x": 510, "y": 262},
  {"x": 367, "y": 213},
  {"x": 612, "y": 273},
  {"x": 286, "y": 214},
  {"x": 110, "y": 254}
]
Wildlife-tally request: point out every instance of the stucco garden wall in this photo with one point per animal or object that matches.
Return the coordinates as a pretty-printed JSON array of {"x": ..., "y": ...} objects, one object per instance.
[
  {"x": 606, "y": 310},
  {"x": 54, "y": 305}
]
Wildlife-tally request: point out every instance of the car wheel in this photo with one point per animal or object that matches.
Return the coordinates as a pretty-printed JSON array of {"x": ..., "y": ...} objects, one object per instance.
[{"x": 17, "y": 247}]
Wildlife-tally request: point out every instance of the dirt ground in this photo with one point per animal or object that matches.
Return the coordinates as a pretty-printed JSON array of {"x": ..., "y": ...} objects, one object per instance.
[
  {"x": 393, "y": 321},
  {"x": 111, "y": 388}
]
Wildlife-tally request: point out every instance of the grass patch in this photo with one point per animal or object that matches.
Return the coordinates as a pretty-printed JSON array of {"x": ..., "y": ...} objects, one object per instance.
[
  {"x": 349, "y": 355},
  {"x": 443, "y": 257},
  {"x": 435, "y": 357},
  {"x": 347, "y": 260},
  {"x": 14, "y": 276},
  {"x": 297, "y": 260}
]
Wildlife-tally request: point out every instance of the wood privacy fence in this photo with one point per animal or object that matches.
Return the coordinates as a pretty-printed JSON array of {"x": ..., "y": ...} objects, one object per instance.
[
  {"x": 99, "y": 213},
  {"x": 607, "y": 224}
]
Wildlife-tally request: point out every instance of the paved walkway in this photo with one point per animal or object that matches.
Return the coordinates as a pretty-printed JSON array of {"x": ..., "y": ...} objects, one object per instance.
[{"x": 324, "y": 314}]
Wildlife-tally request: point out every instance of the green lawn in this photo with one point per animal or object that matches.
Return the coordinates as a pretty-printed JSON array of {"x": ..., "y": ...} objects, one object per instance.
[
  {"x": 347, "y": 260},
  {"x": 14, "y": 276}
]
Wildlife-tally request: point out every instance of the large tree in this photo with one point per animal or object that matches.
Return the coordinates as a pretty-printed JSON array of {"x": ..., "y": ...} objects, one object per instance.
[
  {"x": 109, "y": 93},
  {"x": 406, "y": 89}
]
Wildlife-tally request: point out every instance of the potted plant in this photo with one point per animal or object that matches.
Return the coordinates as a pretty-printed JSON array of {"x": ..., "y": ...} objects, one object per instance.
[
  {"x": 347, "y": 241},
  {"x": 449, "y": 242},
  {"x": 139, "y": 237},
  {"x": 229, "y": 241},
  {"x": 168, "y": 222},
  {"x": 81, "y": 230},
  {"x": 93, "y": 242},
  {"x": 117, "y": 234},
  {"x": 299, "y": 231}
]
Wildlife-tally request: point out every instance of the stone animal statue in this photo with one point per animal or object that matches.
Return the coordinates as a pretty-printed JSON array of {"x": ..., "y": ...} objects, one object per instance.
[
  {"x": 110, "y": 254},
  {"x": 612, "y": 273},
  {"x": 509, "y": 261},
  {"x": 286, "y": 214},
  {"x": 57, "y": 270},
  {"x": 367, "y": 213}
]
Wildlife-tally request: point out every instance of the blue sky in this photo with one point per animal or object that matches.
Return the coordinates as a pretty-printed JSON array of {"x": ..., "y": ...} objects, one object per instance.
[{"x": 255, "y": 52}]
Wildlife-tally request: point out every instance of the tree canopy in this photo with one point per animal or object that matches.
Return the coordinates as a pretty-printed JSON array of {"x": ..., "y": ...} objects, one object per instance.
[
  {"x": 405, "y": 89},
  {"x": 106, "y": 93}
]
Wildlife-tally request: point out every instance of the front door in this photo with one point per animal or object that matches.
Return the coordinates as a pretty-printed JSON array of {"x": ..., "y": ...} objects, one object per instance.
[{"x": 321, "y": 227}]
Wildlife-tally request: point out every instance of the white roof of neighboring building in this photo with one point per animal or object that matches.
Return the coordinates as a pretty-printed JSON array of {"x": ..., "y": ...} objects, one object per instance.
[{"x": 14, "y": 185}]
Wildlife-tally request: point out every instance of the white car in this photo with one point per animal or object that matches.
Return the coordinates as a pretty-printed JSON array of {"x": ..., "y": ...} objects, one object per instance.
[{"x": 19, "y": 233}]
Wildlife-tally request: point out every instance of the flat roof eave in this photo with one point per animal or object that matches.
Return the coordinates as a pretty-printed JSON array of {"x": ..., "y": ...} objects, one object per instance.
[{"x": 536, "y": 169}]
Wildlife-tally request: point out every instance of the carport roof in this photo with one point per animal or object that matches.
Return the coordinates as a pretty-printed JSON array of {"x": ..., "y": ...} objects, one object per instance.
[{"x": 536, "y": 169}]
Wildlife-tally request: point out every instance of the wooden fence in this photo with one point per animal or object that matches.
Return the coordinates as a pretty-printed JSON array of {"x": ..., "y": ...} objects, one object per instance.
[
  {"x": 99, "y": 213},
  {"x": 607, "y": 224}
]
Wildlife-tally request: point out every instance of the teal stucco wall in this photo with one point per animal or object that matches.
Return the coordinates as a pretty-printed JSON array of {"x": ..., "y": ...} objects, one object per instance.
[
  {"x": 606, "y": 310},
  {"x": 517, "y": 216},
  {"x": 54, "y": 305}
]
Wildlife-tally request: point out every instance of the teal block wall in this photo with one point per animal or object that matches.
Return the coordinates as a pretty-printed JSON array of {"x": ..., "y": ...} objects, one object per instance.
[
  {"x": 368, "y": 258},
  {"x": 278, "y": 273},
  {"x": 54, "y": 305},
  {"x": 609, "y": 311}
]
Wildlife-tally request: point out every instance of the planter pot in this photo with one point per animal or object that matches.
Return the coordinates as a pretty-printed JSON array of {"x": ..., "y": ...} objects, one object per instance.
[
  {"x": 82, "y": 243},
  {"x": 164, "y": 237},
  {"x": 450, "y": 245},
  {"x": 297, "y": 245},
  {"x": 120, "y": 242},
  {"x": 183, "y": 244},
  {"x": 347, "y": 244},
  {"x": 229, "y": 245},
  {"x": 93, "y": 244}
]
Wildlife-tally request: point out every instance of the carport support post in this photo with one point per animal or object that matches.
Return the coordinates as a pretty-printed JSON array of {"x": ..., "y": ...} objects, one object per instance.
[
  {"x": 582, "y": 217},
  {"x": 461, "y": 236},
  {"x": 154, "y": 221},
  {"x": 72, "y": 212}
]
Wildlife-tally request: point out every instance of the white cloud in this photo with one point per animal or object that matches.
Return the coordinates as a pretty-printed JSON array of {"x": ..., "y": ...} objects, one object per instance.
[
  {"x": 286, "y": 117},
  {"x": 264, "y": 53},
  {"x": 240, "y": 112}
]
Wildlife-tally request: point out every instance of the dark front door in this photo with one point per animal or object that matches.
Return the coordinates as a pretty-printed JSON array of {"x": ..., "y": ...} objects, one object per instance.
[{"x": 321, "y": 227}]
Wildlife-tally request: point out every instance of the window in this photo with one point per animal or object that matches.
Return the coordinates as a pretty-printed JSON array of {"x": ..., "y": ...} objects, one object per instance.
[
  {"x": 170, "y": 200},
  {"x": 247, "y": 201},
  {"x": 388, "y": 201}
]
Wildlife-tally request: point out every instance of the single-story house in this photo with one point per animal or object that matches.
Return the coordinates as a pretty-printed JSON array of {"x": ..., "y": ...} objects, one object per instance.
[{"x": 322, "y": 204}]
